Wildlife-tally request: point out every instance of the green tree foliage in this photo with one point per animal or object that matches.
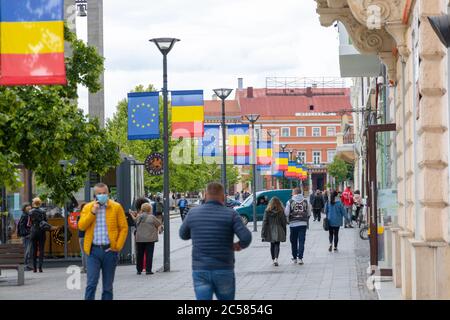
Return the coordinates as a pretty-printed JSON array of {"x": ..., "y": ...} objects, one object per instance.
[
  {"x": 338, "y": 169},
  {"x": 183, "y": 177},
  {"x": 40, "y": 126}
]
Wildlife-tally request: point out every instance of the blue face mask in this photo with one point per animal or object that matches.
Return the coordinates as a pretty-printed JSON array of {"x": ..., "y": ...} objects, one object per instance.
[{"x": 102, "y": 198}]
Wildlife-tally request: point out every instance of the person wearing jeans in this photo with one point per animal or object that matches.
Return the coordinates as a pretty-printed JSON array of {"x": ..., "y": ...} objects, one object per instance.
[
  {"x": 106, "y": 230},
  {"x": 212, "y": 227},
  {"x": 298, "y": 211},
  {"x": 335, "y": 213}
]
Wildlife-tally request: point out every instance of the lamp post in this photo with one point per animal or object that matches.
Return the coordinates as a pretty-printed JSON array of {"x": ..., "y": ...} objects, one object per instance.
[
  {"x": 165, "y": 45},
  {"x": 222, "y": 94},
  {"x": 283, "y": 148},
  {"x": 272, "y": 134},
  {"x": 252, "y": 118},
  {"x": 290, "y": 159}
]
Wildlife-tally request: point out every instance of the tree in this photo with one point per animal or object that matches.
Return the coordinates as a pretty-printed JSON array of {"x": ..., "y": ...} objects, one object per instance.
[
  {"x": 183, "y": 177},
  {"x": 40, "y": 126},
  {"x": 338, "y": 170}
]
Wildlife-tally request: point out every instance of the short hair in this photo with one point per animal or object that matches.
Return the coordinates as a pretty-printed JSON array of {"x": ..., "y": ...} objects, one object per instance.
[
  {"x": 37, "y": 202},
  {"x": 24, "y": 206},
  {"x": 215, "y": 189},
  {"x": 297, "y": 191},
  {"x": 101, "y": 185},
  {"x": 146, "y": 207},
  {"x": 139, "y": 202}
]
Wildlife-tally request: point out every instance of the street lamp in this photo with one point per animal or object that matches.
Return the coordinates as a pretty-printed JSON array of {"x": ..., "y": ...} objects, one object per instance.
[
  {"x": 252, "y": 118},
  {"x": 290, "y": 159},
  {"x": 222, "y": 94},
  {"x": 165, "y": 45}
]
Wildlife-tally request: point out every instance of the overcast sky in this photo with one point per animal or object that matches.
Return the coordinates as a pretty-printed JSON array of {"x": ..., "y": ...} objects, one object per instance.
[{"x": 221, "y": 40}]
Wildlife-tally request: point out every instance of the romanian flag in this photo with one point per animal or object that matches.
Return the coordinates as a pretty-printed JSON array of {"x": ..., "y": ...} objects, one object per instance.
[
  {"x": 187, "y": 114},
  {"x": 281, "y": 161},
  {"x": 238, "y": 140},
  {"x": 32, "y": 42},
  {"x": 292, "y": 170},
  {"x": 264, "y": 153}
]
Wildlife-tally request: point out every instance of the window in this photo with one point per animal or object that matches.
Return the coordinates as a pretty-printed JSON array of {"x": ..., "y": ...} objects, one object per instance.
[
  {"x": 316, "y": 132},
  {"x": 330, "y": 155},
  {"x": 301, "y": 155},
  {"x": 301, "y": 132},
  {"x": 285, "y": 132},
  {"x": 331, "y": 131},
  {"x": 317, "y": 157}
]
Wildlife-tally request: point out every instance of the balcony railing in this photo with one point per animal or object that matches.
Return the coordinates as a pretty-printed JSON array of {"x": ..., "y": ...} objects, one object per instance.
[{"x": 349, "y": 138}]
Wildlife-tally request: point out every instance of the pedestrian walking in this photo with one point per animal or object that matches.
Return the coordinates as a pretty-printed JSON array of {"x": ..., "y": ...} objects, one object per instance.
[
  {"x": 39, "y": 227},
  {"x": 318, "y": 205},
  {"x": 358, "y": 204},
  {"x": 81, "y": 242},
  {"x": 24, "y": 232},
  {"x": 106, "y": 228},
  {"x": 298, "y": 212},
  {"x": 335, "y": 213},
  {"x": 212, "y": 227},
  {"x": 182, "y": 205},
  {"x": 147, "y": 226},
  {"x": 274, "y": 227},
  {"x": 347, "y": 201}
]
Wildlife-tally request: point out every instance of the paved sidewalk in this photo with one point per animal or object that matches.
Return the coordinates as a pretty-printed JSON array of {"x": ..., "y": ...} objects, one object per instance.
[{"x": 325, "y": 275}]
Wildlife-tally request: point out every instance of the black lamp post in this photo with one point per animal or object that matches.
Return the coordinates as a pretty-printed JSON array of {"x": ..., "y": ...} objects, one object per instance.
[
  {"x": 290, "y": 159},
  {"x": 283, "y": 148},
  {"x": 165, "y": 45},
  {"x": 222, "y": 94},
  {"x": 252, "y": 118}
]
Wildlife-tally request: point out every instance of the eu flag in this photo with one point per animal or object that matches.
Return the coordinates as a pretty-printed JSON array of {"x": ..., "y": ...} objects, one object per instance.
[
  {"x": 143, "y": 115},
  {"x": 209, "y": 144}
]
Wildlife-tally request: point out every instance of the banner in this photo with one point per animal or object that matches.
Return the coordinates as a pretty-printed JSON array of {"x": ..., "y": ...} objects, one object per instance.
[
  {"x": 209, "y": 144},
  {"x": 239, "y": 143},
  {"x": 264, "y": 153},
  {"x": 187, "y": 114},
  {"x": 143, "y": 115},
  {"x": 32, "y": 42},
  {"x": 281, "y": 161}
]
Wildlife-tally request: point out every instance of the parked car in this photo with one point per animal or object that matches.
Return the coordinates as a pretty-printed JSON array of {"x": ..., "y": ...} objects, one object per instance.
[{"x": 245, "y": 210}]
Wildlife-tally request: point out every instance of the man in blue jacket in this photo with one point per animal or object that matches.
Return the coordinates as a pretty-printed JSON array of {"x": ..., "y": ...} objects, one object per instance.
[{"x": 212, "y": 227}]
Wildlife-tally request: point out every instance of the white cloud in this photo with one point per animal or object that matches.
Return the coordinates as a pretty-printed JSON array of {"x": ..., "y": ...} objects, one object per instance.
[{"x": 221, "y": 40}]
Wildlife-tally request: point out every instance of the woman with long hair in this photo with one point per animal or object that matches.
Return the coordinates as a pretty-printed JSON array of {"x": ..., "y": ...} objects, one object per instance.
[
  {"x": 335, "y": 213},
  {"x": 274, "y": 227}
]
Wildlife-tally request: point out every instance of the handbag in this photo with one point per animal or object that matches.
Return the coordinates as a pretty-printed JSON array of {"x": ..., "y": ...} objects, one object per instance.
[
  {"x": 326, "y": 222},
  {"x": 44, "y": 226}
]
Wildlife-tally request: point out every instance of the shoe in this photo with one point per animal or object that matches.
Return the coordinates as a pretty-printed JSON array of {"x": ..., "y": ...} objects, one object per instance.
[
  {"x": 300, "y": 261},
  {"x": 350, "y": 226},
  {"x": 35, "y": 270},
  {"x": 346, "y": 227},
  {"x": 294, "y": 260},
  {"x": 149, "y": 272},
  {"x": 275, "y": 262},
  {"x": 335, "y": 249},
  {"x": 40, "y": 270},
  {"x": 330, "y": 249},
  {"x": 139, "y": 272}
]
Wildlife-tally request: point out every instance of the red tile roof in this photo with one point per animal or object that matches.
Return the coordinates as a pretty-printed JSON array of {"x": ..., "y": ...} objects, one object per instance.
[{"x": 213, "y": 108}]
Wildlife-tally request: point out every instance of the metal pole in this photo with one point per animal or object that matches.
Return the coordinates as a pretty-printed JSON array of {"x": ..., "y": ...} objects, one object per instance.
[
  {"x": 166, "y": 169},
  {"x": 4, "y": 231},
  {"x": 255, "y": 222},
  {"x": 224, "y": 150},
  {"x": 66, "y": 213},
  {"x": 30, "y": 186}
]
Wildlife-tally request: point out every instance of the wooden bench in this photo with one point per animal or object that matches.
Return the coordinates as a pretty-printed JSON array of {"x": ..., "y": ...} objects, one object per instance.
[{"x": 12, "y": 257}]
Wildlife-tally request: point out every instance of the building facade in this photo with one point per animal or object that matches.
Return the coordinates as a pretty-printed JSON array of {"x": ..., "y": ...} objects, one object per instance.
[{"x": 416, "y": 101}]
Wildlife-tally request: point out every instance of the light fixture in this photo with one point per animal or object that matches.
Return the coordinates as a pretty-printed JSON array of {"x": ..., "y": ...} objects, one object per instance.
[
  {"x": 222, "y": 93},
  {"x": 252, "y": 118},
  {"x": 164, "y": 44},
  {"x": 441, "y": 26}
]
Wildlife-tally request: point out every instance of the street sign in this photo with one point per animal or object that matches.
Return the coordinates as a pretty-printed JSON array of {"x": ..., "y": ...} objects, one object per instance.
[{"x": 154, "y": 164}]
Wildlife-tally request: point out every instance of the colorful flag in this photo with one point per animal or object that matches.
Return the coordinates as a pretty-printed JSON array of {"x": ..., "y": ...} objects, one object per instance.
[
  {"x": 265, "y": 170},
  {"x": 292, "y": 170},
  {"x": 187, "y": 114},
  {"x": 143, "y": 115},
  {"x": 238, "y": 140},
  {"x": 32, "y": 42},
  {"x": 281, "y": 161},
  {"x": 209, "y": 144},
  {"x": 264, "y": 153},
  {"x": 242, "y": 160}
]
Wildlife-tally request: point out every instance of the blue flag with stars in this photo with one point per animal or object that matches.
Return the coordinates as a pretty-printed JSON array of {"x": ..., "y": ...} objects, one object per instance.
[
  {"x": 143, "y": 115},
  {"x": 209, "y": 144}
]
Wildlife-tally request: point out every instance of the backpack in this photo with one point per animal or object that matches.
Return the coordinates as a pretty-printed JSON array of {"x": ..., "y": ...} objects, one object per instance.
[
  {"x": 23, "y": 228},
  {"x": 298, "y": 211}
]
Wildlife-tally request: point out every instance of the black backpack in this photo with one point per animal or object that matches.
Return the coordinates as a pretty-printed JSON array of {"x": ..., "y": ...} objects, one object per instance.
[{"x": 22, "y": 227}]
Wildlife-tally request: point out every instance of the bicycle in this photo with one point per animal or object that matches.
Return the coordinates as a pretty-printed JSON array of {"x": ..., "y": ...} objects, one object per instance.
[{"x": 363, "y": 226}]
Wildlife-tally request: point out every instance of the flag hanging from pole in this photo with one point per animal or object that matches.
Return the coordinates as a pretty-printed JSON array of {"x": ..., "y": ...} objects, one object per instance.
[
  {"x": 209, "y": 144},
  {"x": 32, "y": 42},
  {"x": 281, "y": 161},
  {"x": 187, "y": 114},
  {"x": 239, "y": 143},
  {"x": 264, "y": 153},
  {"x": 143, "y": 115}
]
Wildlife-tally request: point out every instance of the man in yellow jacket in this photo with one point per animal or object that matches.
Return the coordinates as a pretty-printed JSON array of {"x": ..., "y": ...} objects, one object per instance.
[{"x": 106, "y": 230}]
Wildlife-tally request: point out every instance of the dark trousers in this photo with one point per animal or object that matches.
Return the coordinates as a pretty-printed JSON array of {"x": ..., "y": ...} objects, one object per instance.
[
  {"x": 146, "y": 248},
  {"x": 275, "y": 249},
  {"x": 317, "y": 214},
  {"x": 37, "y": 245},
  {"x": 334, "y": 234},
  {"x": 298, "y": 236},
  {"x": 106, "y": 262},
  {"x": 182, "y": 210}
]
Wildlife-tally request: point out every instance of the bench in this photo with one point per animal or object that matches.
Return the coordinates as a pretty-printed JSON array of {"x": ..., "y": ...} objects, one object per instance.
[{"x": 12, "y": 258}]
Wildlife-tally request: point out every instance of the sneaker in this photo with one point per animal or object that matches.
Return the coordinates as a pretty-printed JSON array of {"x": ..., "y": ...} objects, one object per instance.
[
  {"x": 300, "y": 261},
  {"x": 330, "y": 248},
  {"x": 40, "y": 270},
  {"x": 294, "y": 260},
  {"x": 149, "y": 272},
  {"x": 335, "y": 249},
  {"x": 275, "y": 262},
  {"x": 139, "y": 272}
]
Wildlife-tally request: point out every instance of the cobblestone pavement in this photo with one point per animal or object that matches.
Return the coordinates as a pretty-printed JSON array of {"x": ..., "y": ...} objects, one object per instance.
[{"x": 324, "y": 275}]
